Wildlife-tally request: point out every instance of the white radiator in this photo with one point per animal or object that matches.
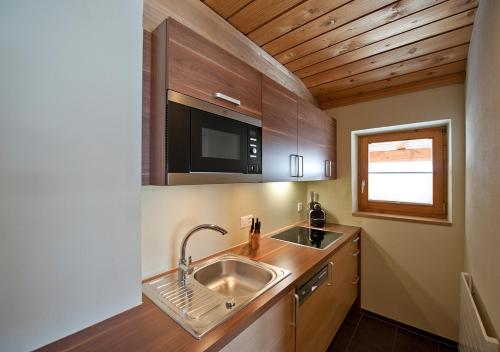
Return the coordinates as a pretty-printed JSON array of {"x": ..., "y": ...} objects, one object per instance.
[{"x": 472, "y": 335}]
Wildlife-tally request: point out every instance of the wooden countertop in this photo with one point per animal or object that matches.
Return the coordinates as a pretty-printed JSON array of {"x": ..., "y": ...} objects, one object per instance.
[{"x": 147, "y": 328}]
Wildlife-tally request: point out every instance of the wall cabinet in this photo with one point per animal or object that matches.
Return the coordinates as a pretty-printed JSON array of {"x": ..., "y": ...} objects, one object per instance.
[
  {"x": 298, "y": 139},
  {"x": 316, "y": 143},
  {"x": 279, "y": 131},
  {"x": 321, "y": 315},
  {"x": 186, "y": 62}
]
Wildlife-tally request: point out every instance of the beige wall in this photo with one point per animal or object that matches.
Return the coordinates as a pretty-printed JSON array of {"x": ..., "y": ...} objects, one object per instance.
[
  {"x": 169, "y": 212},
  {"x": 410, "y": 272},
  {"x": 482, "y": 237}
]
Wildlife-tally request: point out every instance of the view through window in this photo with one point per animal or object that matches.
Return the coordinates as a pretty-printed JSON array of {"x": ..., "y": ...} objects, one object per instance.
[{"x": 400, "y": 171}]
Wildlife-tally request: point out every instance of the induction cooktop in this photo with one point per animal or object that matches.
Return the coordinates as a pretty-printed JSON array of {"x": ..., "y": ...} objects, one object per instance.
[{"x": 309, "y": 237}]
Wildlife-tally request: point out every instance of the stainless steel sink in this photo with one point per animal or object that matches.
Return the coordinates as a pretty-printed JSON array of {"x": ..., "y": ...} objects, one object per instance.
[
  {"x": 214, "y": 291},
  {"x": 232, "y": 277}
]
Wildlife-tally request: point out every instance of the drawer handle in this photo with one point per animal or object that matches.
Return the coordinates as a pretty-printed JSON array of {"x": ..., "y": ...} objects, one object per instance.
[
  {"x": 356, "y": 240},
  {"x": 330, "y": 271},
  {"x": 227, "y": 98},
  {"x": 355, "y": 254},
  {"x": 355, "y": 282}
]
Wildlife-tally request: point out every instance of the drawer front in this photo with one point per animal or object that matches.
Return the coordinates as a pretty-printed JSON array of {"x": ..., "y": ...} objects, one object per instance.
[
  {"x": 355, "y": 246},
  {"x": 201, "y": 69}
]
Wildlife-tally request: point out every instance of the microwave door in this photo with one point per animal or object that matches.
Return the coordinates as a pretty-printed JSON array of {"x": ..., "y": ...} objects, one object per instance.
[{"x": 218, "y": 144}]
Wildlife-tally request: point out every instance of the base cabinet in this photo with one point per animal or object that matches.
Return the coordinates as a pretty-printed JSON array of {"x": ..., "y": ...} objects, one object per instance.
[
  {"x": 310, "y": 327},
  {"x": 321, "y": 314},
  {"x": 274, "y": 331}
]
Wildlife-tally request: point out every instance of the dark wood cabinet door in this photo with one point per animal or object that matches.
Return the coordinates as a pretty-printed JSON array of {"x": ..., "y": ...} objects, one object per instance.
[
  {"x": 279, "y": 131},
  {"x": 313, "y": 139},
  {"x": 199, "y": 68},
  {"x": 331, "y": 145}
]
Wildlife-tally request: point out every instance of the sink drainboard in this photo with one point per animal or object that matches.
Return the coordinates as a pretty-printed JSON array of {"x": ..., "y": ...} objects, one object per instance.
[{"x": 190, "y": 300}]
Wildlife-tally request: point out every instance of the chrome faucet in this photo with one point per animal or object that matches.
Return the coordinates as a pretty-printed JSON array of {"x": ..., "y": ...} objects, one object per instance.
[{"x": 185, "y": 265}]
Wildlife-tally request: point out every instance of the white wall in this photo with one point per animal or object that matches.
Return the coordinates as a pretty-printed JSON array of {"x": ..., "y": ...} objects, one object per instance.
[
  {"x": 70, "y": 102},
  {"x": 169, "y": 212},
  {"x": 410, "y": 272},
  {"x": 482, "y": 237}
]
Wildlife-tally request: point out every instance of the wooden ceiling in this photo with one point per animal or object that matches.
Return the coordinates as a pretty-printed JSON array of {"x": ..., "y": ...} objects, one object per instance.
[{"x": 347, "y": 51}]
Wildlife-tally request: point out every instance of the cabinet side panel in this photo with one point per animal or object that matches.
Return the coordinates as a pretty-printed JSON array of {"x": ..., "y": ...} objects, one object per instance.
[{"x": 158, "y": 106}]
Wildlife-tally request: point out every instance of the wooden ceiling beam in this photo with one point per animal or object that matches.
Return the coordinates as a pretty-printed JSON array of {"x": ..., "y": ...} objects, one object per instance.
[
  {"x": 398, "y": 69},
  {"x": 434, "y": 82},
  {"x": 448, "y": 24},
  {"x": 423, "y": 47},
  {"x": 325, "y": 23},
  {"x": 442, "y": 70},
  {"x": 296, "y": 17},
  {"x": 258, "y": 12},
  {"x": 226, "y": 8},
  {"x": 361, "y": 25}
]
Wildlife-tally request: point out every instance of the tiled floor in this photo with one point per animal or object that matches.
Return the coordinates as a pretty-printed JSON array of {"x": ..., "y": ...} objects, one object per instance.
[{"x": 364, "y": 333}]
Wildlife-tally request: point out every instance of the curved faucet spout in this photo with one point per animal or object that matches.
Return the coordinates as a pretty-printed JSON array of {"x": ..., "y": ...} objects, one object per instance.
[{"x": 184, "y": 265}]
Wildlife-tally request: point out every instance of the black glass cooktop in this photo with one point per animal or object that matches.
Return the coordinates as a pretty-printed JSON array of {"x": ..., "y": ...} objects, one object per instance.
[{"x": 308, "y": 237}]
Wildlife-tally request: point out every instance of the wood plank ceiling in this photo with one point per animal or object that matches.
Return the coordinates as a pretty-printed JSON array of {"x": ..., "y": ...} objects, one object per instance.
[{"x": 347, "y": 51}]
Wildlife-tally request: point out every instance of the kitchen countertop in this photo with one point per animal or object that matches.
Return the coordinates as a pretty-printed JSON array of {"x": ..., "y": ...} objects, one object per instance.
[{"x": 146, "y": 327}]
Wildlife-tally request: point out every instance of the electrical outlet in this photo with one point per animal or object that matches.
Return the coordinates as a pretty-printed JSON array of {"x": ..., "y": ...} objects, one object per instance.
[
  {"x": 246, "y": 221},
  {"x": 299, "y": 206}
]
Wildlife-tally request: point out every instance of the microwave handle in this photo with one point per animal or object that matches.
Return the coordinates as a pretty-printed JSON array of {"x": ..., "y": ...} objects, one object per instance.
[{"x": 227, "y": 98}]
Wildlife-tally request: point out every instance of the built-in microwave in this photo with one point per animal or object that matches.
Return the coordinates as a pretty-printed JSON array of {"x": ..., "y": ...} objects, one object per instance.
[{"x": 206, "y": 143}]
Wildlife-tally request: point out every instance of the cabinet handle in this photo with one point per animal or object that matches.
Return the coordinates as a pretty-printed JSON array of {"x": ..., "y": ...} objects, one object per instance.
[
  {"x": 328, "y": 168},
  {"x": 330, "y": 279},
  {"x": 355, "y": 254},
  {"x": 294, "y": 165},
  {"x": 356, "y": 240},
  {"x": 297, "y": 307},
  {"x": 301, "y": 166},
  {"x": 227, "y": 98},
  {"x": 355, "y": 282}
]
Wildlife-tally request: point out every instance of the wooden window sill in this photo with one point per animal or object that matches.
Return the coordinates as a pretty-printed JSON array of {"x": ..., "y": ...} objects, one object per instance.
[{"x": 418, "y": 219}]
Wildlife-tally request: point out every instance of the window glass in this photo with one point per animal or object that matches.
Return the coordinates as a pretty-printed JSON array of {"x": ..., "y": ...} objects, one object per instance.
[{"x": 401, "y": 171}]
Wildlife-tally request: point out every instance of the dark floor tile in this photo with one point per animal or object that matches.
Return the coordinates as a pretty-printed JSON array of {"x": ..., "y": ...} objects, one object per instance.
[
  {"x": 372, "y": 335},
  {"x": 409, "y": 342},
  {"x": 446, "y": 348},
  {"x": 354, "y": 314},
  {"x": 344, "y": 335}
]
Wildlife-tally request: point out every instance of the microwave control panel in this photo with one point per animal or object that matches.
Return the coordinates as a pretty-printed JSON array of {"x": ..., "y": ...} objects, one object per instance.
[{"x": 254, "y": 164}]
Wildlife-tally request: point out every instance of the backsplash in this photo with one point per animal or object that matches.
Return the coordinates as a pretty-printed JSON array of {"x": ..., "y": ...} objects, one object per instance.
[{"x": 169, "y": 212}]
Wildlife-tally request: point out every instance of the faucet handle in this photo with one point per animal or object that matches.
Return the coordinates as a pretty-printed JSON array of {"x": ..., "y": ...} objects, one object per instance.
[{"x": 189, "y": 267}]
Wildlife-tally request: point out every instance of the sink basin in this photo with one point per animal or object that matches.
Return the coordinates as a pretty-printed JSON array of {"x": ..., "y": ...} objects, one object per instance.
[
  {"x": 232, "y": 277},
  {"x": 214, "y": 291}
]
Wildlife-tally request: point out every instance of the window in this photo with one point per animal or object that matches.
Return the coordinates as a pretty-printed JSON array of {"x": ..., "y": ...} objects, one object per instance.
[{"x": 404, "y": 173}]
